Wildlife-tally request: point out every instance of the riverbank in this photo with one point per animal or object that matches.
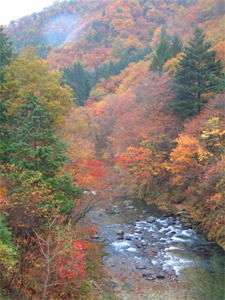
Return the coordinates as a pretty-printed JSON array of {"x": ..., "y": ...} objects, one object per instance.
[{"x": 151, "y": 254}]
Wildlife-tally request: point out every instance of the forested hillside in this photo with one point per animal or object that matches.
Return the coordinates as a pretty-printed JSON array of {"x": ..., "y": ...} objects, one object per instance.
[
  {"x": 101, "y": 95},
  {"x": 95, "y": 32}
]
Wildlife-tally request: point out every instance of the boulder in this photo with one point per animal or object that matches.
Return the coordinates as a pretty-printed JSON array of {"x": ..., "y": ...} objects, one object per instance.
[
  {"x": 128, "y": 237},
  {"x": 140, "y": 267},
  {"x": 151, "y": 219},
  {"x": 120, "y": 232},
  {"x": 160, "y": 276}
]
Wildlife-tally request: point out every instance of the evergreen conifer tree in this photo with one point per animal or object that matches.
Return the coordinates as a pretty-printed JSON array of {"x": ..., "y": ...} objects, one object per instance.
[
  {"x": 79, "y": 80},
  {"x": 162, "y": 54},
  {"x": 198, "y": 74},
  {"x": 176, "y": 46},
  {"x": 32, "y": 147},
  {"x": 32, "y": 143}
]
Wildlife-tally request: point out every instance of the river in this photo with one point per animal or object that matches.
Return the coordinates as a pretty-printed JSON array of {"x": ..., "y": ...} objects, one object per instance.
[{"x": 150, "y": 254}]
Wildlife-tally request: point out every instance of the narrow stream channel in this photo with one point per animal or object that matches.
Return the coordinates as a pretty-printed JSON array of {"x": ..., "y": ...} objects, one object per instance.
[{"x": 151, "y": 255}]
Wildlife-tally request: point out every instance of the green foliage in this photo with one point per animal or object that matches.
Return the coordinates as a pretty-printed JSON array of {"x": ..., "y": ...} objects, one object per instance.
[
  {"x": 6, "y": 53},
  {"x": 36, "y": 155},
  {"x": 31, "y": 143},
  {"x": 78, "y": 79},
  {"x": 81, "y": 81},
  {"x": 28, "y": 75},
  {"x": 176, "y": 46},
  {"x": 114, "y": 68},
  {"x": 162, "y": 54},
  {"x": 100, "y": 31},
  {"x": 64, "y": 194},
  {"x": 5, "y": 234},
  {"x": 7, "y": 249},
  {"x": 198, "y": 74}
]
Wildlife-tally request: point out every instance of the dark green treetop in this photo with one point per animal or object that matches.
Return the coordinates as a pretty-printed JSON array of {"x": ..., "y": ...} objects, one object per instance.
[
  {"x": 176, "y": 46},
  {"x": 198, "y": 74},
  {"x": 78, "y": 79},
  {"x": 32, "y": 143},
  {"x": 162, "y": 54}
]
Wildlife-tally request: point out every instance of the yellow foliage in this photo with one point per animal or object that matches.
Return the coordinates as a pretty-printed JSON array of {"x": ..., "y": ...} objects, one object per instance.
[
  {"x": 29, "y": 75},
  {"x": 187, "y": 158},
  {"x": 134, "y": 41},
  {"x": 98, "y": 93},
  {"x": 7, "y": 257},
  {"x": 213, "y": 136},
  {"x": 171, "y": 64}
]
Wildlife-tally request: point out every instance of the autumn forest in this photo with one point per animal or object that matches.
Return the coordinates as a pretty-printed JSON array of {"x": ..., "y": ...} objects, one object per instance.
[{"x": 102, "y": 100}]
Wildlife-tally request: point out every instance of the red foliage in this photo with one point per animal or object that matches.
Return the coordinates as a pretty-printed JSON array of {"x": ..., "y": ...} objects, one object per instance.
[
  {"x": 90, "y": 102},
  {"x": 137, "y": 160},
  {"x": 96, "y": 168},
  {"x": 72, "y": 266}
]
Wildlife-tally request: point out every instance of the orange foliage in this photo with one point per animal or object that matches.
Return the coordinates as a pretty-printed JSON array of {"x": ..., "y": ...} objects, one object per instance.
[
  {"x": 198, "y": 166},
  {"x": 220, "y": 51},
  {"x": 156, "y": 36},
  {"x": 186, "y": 160},
  {"x": 90, "y": 174}
]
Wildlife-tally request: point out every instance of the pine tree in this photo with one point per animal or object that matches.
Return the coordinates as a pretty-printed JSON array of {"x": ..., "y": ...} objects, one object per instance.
[
  {"x": 198, "y": 74},
  {"x": 31, "y": 142},
  {"x": 79, "y": 80},
  {"x": 162, "y": 54},
  {"x": 37, "y": 154},
  {"x": 176, "y": 46}
]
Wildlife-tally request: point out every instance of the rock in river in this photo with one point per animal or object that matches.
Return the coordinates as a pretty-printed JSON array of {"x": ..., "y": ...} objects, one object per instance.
[
  {"x": 144, "y": 243},
  {"x": 151, "y": 219},
  {"x": 128, "y": 237},
  {"x": 120, "y": 232},
  {"x": 160, "y": 276},
  {"x": 140, "y": 267}
]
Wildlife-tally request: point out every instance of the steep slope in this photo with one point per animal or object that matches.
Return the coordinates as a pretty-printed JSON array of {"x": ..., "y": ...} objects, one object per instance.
[{"x": 94, "y": 32}]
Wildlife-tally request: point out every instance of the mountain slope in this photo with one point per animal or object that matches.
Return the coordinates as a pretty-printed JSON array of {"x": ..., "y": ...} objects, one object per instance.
[{"x": 94, "y": 32}]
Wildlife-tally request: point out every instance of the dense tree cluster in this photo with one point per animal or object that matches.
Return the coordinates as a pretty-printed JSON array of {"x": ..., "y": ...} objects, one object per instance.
[
  {"x": 37, "y": 240},
  {"x": 81, "y": 81},
  {"x": 137, "y": 127},
  {"x": 165, "y": 50}
]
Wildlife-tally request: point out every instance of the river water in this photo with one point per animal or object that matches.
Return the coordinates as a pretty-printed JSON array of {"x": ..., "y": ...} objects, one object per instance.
[{"x": 151, "y": 255}]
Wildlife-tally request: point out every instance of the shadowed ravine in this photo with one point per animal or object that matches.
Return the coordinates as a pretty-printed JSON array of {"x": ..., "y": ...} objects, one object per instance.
[{"x": 153, "y": 255}]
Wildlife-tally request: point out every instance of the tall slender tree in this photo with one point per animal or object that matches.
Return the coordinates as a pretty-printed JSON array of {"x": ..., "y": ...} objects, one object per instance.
[
  {"x": 176, "y": 45},
  {"x": 162, "y": 54},
  {"x": 198, "y": 74}
]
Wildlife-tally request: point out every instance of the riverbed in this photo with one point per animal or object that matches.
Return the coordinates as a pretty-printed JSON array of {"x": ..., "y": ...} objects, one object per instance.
[{"x": 151, "y": 254}]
